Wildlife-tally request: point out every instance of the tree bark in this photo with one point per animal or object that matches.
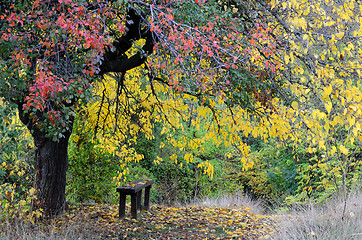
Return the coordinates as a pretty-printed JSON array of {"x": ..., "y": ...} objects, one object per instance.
[
  {"x": 52, "y": 164},
  {"x": 51, "y": 158}
]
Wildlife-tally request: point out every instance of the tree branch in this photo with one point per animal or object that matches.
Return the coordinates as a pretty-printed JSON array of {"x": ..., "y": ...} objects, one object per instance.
[{"x": 117, "y": 60}]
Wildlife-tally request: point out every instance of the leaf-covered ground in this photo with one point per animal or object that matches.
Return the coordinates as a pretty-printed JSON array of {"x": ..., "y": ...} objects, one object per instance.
[{"x": 160, "y": 222}]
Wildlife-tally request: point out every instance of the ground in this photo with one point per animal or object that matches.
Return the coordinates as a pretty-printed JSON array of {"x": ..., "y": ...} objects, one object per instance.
[{"x": 160, "y": 222}]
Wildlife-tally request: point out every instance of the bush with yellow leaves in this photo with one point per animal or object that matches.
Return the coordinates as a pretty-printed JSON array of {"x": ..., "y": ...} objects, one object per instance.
[{"x": 17, "y": 194}]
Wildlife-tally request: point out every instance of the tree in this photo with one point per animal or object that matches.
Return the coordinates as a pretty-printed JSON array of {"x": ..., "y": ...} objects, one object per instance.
[
  {"x": 322, "y": 62},
  {"x": 228, "y": 58},
  {"x": 53, "y": 51}
]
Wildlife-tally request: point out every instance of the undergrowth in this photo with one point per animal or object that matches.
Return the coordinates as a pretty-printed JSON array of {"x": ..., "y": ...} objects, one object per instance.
[{"x": 224, "y": 217}]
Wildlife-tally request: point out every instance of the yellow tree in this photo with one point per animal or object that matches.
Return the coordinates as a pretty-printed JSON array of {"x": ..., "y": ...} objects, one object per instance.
[
  {"x": 228, "y": 58},
  {"x": 320, "y": 58},
  {"x": 53, "y": 52},
  {"x": 307, "y": 52}
]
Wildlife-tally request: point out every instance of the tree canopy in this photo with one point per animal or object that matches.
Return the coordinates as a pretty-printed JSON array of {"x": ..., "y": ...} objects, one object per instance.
[{"x": 282, "y": 69}]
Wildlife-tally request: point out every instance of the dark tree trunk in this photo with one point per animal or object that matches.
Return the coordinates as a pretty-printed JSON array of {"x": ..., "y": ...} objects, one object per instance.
[{"x": 51, "y": 166}]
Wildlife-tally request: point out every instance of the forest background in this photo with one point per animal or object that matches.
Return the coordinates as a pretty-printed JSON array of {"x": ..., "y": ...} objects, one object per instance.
[{"x": 284, "y": 130}]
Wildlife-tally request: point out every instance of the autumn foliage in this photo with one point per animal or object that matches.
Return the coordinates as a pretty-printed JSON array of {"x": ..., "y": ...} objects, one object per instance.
[{"x": 196, "y": 73}]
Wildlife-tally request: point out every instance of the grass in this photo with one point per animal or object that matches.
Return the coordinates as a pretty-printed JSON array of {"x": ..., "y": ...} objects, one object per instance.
[
  {"x": 237, "y": 200},
  {"x": 224, "y": 217},
  {"x": 322, "y": 222}
]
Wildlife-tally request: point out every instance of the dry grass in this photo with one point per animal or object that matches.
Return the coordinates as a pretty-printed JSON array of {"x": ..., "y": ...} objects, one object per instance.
[
  {"x": 25, "y": 230},
  {"x": 237, "y": 200},
  {"x": 304, "y": 222},
  {"x": 323, "y": 222},
  {"x": 78, "y": 222}
]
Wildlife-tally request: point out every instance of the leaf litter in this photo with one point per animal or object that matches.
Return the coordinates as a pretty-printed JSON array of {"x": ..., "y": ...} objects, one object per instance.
[{"x": 99, "y": 221}]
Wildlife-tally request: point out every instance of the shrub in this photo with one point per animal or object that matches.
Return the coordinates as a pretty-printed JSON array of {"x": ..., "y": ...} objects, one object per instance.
[
  {"x": 16, "y": 166},
  {"x": 91, "y": 169}
]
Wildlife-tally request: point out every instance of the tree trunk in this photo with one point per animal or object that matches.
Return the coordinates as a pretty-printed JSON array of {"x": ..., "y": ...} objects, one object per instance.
[
  {"x": 51, "y": 164},
  {"x": 51, "y": 158}
]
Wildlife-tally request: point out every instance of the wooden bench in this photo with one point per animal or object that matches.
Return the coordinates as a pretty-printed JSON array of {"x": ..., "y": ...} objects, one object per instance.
[{"x": 135, "y": 190}]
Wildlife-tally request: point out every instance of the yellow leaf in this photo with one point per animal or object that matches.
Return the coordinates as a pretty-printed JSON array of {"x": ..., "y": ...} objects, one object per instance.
[
  {"x": 38, "y": 213},
  {"x": 286, "y": 59},
  {"x": 334, "y": 150},
  {"x": 321, "y": 145},
  {"x": 326, "y": 126},
  {"x": 343, "y": 150},
  {"x": 21, "y": 173},
  {"x": 340, "y": 35},
  {"x": 22, "y": 203},
  {"x": 273, "y": 4},
  {"x": 173, "y": 157},
  {"x": 284, "y": 4},
  {"x": 330, "y": 23},
  {"x": 328, "y": 106},
  {"x": 337, "y": 120},
  {"x": 351, "y": 121},
  {"x": 327, "y": 91},
  {"x": 188, "y": 157},
  {"x": 353, "y": 107},
  {"x": 250, "y": 165},
  {"x": 301, "y": 22}
]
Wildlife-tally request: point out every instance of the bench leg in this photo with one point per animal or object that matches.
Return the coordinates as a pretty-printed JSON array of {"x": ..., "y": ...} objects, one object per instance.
[
  {"x": 139, "y": 198},
  {"x": 122, "y": 205},
  {"x": 147, "y": 198},
  {"x": 134, "y": 205}
]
